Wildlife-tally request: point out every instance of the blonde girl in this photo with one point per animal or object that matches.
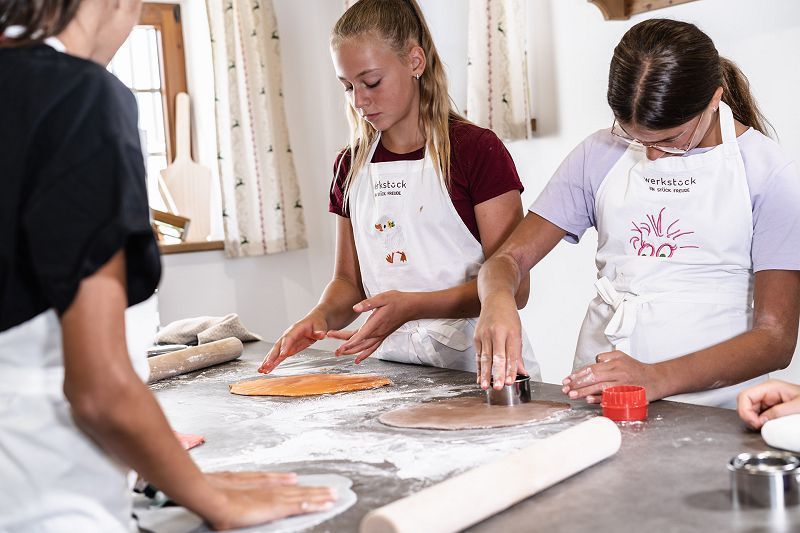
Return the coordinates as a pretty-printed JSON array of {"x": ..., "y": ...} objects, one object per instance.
[{"x": 422, "y": 198}]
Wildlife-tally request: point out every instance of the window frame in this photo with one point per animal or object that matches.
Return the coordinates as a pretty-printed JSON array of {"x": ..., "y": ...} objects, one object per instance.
[{"x": 166, "y": 18}]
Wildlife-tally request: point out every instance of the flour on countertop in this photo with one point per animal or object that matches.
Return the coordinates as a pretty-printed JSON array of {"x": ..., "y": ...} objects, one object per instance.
[{"x": 345, "y": 427}]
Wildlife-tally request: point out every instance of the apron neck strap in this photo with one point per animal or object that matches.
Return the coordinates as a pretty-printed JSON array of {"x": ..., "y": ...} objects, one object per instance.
[
  {"x": 373, "y": 147},
  {"x": 726, "y": 123},
  {"x": 727, "y": 127}
]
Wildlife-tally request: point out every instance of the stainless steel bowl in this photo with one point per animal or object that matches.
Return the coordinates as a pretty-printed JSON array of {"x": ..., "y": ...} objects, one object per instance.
[
  {"x": 515, "y": 394},
  {"x": 767, "y": 479}
]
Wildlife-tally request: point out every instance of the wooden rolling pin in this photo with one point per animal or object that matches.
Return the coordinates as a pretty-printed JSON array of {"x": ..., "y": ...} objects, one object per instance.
[
  {"x": 477, "y": 494},
  {"x": 194, "y": 358}
]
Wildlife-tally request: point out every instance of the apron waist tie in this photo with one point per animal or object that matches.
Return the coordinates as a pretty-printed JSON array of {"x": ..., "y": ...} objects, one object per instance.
[{"x": 626, "y": 307}]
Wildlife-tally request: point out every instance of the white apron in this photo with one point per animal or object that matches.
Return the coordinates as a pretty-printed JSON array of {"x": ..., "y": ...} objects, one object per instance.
[
  {"x": 673, "y": 255},
  {"x": 409, "y": 237},
  {"x": 53, "y": 477}
]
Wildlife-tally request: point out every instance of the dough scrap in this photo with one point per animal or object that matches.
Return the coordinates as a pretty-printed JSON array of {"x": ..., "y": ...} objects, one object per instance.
[
  {"x": 189, "y": 441},
  {"x": 470, "y": 412},
  {"x": 309, "y": 385}
]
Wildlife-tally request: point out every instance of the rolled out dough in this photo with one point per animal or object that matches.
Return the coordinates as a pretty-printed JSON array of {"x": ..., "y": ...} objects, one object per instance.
[
  {"x": 309, "y": 385},
  {"x": 471, "y": 412}
]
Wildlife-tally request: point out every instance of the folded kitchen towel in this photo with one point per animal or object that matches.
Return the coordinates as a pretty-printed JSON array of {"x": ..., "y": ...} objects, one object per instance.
[{"x": 203, "y": 329}]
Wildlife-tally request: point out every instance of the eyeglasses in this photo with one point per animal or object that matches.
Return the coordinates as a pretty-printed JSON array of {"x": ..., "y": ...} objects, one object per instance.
[{"x": 618, "y": 131}]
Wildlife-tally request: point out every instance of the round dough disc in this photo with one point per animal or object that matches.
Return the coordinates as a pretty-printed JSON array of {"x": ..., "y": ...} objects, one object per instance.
[
  {"x": 470, "y": 412},
  {"x": 308, "y": 385}
]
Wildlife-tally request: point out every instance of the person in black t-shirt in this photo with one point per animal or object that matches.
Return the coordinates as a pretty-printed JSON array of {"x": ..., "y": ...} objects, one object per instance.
[{"x": 76, "y": 249}]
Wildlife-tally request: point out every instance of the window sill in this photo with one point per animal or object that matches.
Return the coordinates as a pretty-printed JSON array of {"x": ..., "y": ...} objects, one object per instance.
[{"x": 185, "y": 247}]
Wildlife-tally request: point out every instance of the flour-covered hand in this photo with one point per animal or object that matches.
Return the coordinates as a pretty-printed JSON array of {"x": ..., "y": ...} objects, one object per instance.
[
  {"x": 612, "y": 369},
  {"x": 297, "y": 338},
  {"x": 772, "y": 399},
  {"x": 390, "y": 310},
  {"x": 498, "y": 344},
  {"x": 248, "y": 506}
]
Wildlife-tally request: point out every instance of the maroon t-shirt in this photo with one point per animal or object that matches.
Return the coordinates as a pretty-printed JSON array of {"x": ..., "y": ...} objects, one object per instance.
[{"x": 480, "y": 169}]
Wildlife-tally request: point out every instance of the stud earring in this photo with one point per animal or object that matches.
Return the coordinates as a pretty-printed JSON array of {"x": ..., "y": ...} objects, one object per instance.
[{"x": 416, "y": 76}]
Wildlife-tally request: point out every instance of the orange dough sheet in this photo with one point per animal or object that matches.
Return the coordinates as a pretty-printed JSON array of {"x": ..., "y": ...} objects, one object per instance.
[{"x": 308, "y": 385}]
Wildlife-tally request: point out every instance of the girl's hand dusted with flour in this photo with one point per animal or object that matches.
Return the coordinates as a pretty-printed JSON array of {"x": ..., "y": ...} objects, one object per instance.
[
  {"x": 390, "y": 310},
  {"x": 612, "y": 369}
]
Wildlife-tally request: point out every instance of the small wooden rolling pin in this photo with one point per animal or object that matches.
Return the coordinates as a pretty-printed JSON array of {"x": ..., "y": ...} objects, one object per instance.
[{"x": 194, "y": 358}]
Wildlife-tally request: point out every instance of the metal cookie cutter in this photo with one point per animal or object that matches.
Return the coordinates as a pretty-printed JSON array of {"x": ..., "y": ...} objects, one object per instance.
[
  {"x": 519, "y": 392},
  {"x": 767, "y": 479}
]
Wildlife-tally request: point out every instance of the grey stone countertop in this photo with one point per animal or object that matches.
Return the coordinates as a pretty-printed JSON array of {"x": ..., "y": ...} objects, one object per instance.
[{"x": 669, "y": 475}]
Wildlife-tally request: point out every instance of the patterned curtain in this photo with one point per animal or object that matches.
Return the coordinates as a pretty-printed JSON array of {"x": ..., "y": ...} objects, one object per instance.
[
  {"x": 498, "y": 92},
  {"x": 262, "y": 211}
]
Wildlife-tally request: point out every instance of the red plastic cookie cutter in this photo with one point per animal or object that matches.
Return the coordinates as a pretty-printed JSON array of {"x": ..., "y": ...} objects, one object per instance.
[{"x": 624, "y": 403}]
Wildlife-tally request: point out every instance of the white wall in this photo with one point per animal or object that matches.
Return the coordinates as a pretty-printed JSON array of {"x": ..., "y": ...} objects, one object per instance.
[{"x": 572, "y": 46}]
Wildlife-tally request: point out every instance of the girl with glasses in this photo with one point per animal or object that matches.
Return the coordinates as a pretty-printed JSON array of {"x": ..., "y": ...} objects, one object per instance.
[{"x": 698, "y": 290}]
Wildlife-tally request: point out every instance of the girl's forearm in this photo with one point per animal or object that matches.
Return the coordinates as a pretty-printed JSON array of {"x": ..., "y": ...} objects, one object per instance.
[
  {"x": 460, "y": 301},
  {"x": 739, "y": 359},
  {"x": 500, "y": 278},
  {"x": 125, "y": 419},
  {"x": 337, "y": 301}
]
